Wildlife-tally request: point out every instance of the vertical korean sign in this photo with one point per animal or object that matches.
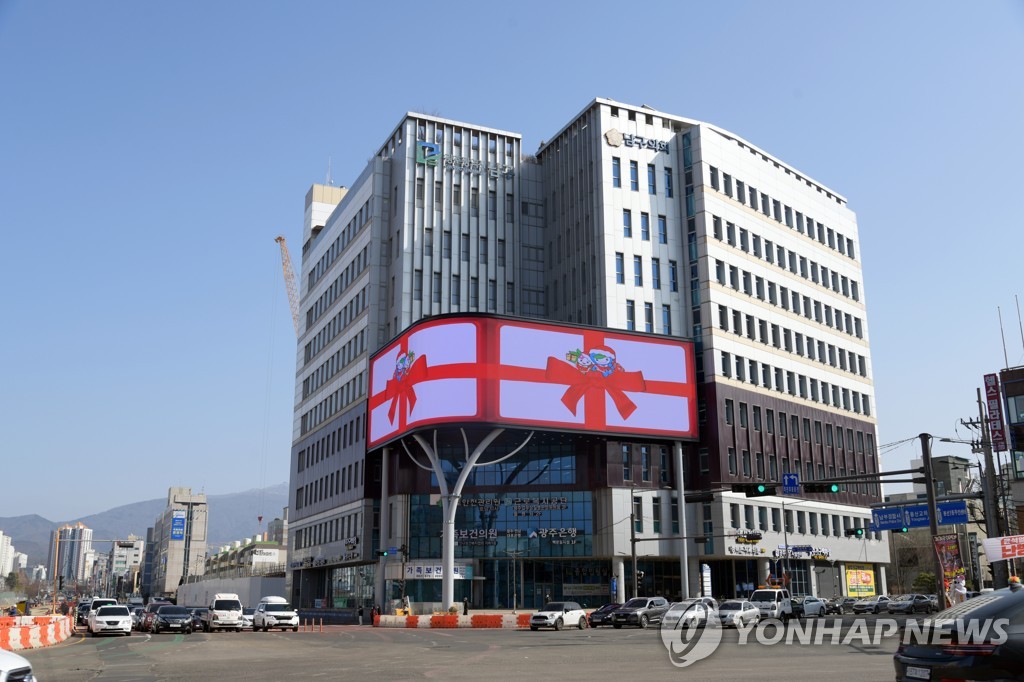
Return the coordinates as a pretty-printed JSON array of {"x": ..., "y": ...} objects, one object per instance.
[
  {"x": 947, "y": 548},
  {"x": 178, "y": 524},
  {"x": 994, "y": 405}
]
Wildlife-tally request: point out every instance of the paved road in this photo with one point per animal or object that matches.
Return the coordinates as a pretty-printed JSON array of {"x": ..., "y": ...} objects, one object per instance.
[{"x": 363, "y": 653}]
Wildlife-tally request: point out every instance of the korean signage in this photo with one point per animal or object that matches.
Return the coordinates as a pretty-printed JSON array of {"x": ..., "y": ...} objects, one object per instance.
[
  {"x": 429, "y": 154},
  {"x": 1000, "y": 549},
  {"x": 917, "y": 516},
  {"x": 994, "y": 404},
  {"x": 178, "y": 524},
  {"x": 617, "y": 139},
  {"x": 486, "y": 369},
  {"x": 860, "y": 580},
  {"x": 947, "y": 548},
  {"x": 426, "y": 570}
]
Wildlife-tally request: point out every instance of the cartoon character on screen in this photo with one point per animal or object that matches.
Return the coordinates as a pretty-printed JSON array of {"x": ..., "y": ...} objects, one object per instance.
[
  {"x": 604, "y": 360},
  {"x": 402, "y": 365},
  {"x": 580, "y": 360}
]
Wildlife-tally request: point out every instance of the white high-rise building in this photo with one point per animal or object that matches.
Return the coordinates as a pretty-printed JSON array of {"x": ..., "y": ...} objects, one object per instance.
[
  {"x": 626, "y": 218},
  {"x": 68, "y": 555}
]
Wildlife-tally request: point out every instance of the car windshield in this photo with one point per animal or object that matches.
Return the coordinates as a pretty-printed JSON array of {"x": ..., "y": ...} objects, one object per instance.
[
  {"x": 635, "y": 604},
  {"x": 554, "y": 606},
  {"x": 902, "y": 597},
  {"x": 105, "y": 611},
  {"x": 227, "y": 605},
  {"x": 731, "y": 606},
  {"x": 274, "y": 608},
  {"x": 248, "y": 612},
  {"x": 200, "y": 611},
  {"x": 763, "y": 595},
  {"x": 173, "y": 611},
  {"x": 684, "y": 605}
]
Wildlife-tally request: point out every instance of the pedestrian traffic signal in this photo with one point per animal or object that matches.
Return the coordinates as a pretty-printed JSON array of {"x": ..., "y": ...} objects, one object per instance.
[
  {"x": 753, "y": 489},
  {"x": 382, "y": 553},
  {"x": 854, "y": 532},
  {"x": 821, "y": 487}
]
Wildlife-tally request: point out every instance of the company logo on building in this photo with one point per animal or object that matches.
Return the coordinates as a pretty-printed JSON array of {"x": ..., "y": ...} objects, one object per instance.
[
  {"x": 428, "y": 153},
  {"x": 616, "y": 139}
]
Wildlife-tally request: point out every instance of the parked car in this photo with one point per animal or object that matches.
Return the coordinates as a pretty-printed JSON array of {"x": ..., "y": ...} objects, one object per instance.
[
  {"x": 14, "y": 667},
  {"x": 247, "y": 614},
  {"x": 603, "y": 615},
  {"x": 275, "y": 612},
  {"x": 690, "y": 613},
  {"x": 171, "y": 618},
  {"x": 805, "y": 607},
  {"x": 197, "y": 616},
  {"x": 640, "y": 611},
  {"x": 834, "y": 606},
  {"x": 875, "y": 604},
  {"x": 559, "y": 614},
  {"x": 110, "y": 620},
  {"x": 910, "y": 603},
  {"x": 737, "y": 612},
  {"x": 847, "y": 603},
  {"x": 945, "y": 656}
]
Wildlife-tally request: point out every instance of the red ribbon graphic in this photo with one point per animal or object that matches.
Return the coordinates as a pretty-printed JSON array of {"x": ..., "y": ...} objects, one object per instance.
[
  {"x": 595, "y": 384},
  {"x": 402, "y": 391}
]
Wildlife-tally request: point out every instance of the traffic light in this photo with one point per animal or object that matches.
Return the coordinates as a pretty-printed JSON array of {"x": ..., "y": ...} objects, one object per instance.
[
  {"x": 904, "y": 529},
  {"x": 821, "y": 487},
  {"x": 854, "y": 532},
  {"x": 639, "y": 575},
  {"x": 382, "y": 553},
  {"x": 60, "y": 582},
  {"x": 753, "y": 489},
  {"x": 404, "y": 549}
]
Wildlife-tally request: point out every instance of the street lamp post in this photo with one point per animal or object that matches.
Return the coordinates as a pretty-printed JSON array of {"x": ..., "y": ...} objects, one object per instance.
[
  {"x": 515, "y": 554},
  {"x": 632, "y": 538}
]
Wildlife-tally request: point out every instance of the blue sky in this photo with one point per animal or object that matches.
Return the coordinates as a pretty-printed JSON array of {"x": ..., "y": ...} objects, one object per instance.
[{"x": 150, "y": 153}]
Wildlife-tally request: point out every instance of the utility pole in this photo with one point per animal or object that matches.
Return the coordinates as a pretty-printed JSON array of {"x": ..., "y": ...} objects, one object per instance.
[
  {"x": 632, "y": 541},
  {"x": 933, "y": 512},
  {"x": 993, "y": 525}
]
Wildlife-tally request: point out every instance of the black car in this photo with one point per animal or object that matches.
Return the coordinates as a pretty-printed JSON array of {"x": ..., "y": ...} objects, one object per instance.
[
  {"x": 640, "y": 612},
  {"x": 197, "y": 616},
  {"x": 798, "y": 606},
  {"x": 910, "y": 603},
  {"x": 171, "y": 618},
  {"x": 603, "y": 615},
  {"x": 974, "y": 642}
]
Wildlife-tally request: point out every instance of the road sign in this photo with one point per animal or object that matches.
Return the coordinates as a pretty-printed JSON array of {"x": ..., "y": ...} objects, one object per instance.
[
  {"x": 392, "y": 550},
  {"x": 790, "y": 484},
  {"x": 917, "y": 516}
]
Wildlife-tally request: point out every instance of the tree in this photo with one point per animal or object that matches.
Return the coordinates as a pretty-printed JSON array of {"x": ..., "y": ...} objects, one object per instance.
[
  {"x": 11, "y": 581},
  {"x": 924, "y": 583}
]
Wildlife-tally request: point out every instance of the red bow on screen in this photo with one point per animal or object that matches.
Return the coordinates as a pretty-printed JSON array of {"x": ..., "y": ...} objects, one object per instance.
[
  {"x": 594, "y": 383},
  {"x": 401, "y": 390}
]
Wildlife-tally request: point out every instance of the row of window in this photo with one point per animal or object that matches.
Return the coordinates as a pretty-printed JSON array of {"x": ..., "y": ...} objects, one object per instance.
[
  {"x": 783, "y": 338},
  {"x": 795, "y": 384},
  {"x": 666, "y": 317},
  {"x": 338, "y": 286},
  {"x": 769, "y": 519},
  {"x": 337, "y": 247},
  {"x": 774, "y": 209},
  {"x": 331, "y": 443},
  {"x": 634, "y": 177},
  {"x": 750, "y": 242},
  {"x": 326, "y": 487},
  {"x": 483, "y": 246},
  {"x": 335, "y": 326},
  {"x": 645, "y": 226},
  {"x": 647, "y": 462},
  {"x": 350, "y": 391},
  {"x": 787, "y": 299},
  {"x": 474, "y": 200},
  {"x": 457, "y": 134},
  {"x": 337, "y": 362},
  {"x": 341, "y": 528},
  {"x": 863, "y": 445},
  {"x": 657, "y": 503},
  {"x": 638, "y": 272},
  {"x": 456, "y": 291}
]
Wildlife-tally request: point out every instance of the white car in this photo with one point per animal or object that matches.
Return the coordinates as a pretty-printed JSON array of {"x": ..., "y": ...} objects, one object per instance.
[
  {"x": 558, "y": 614},
  {"x": 691, "y": 613},
  {"x": 114, "y": 619},
  {"x": 737, "y": 612},
  {"x": 15, "y": 667},
  {"x": 247, "y": 614},
  {"x": 275, "y": 612},
  {"x": 812, "y": 606}
]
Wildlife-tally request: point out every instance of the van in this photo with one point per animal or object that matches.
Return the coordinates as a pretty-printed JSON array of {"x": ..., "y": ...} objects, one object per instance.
[
  {"x": 773, "y": 603},
  {"x": 225, "y": 613},
  {"x": 275, "y": 612}
]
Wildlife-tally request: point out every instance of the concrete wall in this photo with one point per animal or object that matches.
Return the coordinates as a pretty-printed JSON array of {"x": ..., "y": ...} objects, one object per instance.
[{"x": 249, "y": 590}]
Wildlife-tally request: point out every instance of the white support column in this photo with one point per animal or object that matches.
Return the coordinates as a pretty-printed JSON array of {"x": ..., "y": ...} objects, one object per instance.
[
  {"x": 684, "y": 544},
  {"x": 618, "y": 570},
  {"x": 882, "y": 581},
  {"x": 380, "y": 583}
]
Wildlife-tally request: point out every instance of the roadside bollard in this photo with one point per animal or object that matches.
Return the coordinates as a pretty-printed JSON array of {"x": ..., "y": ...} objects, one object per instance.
[{"x": 321, "y": 625}]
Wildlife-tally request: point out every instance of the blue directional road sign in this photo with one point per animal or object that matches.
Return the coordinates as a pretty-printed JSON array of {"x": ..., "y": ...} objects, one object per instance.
[
  {"x": 952, "y": 512},
  {"x": 790, "y": 484},
  {"x": 890, "y": 518},
  {"x": 917, "y": 516}
]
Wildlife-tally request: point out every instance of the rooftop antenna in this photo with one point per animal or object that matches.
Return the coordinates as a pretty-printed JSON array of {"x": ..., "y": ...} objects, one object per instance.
[
  {"x": 330, "y": 180},
  {"x": 1006, "y": 359}
]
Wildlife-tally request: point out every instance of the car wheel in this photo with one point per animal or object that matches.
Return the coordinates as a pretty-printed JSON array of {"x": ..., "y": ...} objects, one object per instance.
[
  {"x": 559, "y": 624},
  {"x": 581, "y": 623},
  {"x": 294, "y": 629},
  {"x": 534, "y": 628},
  {"x": 643, "y": 622}
]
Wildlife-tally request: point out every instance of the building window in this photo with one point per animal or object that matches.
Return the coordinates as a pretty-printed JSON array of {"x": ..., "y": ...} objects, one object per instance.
[
  {"x": 668, "y": 182},
  {"x": 649, "y": 317},
  {"x": 483, "y": 250},
  {"x": 474, "y": 292},
  {"x": 616, "y": 172},
  {"x": 638, "y": 514},
  {"x": 456, "y": 295},
  {"x": 728, "y": 412},
  {"x": 664, "y": 464},
  {"x": 638, "y": 271},
  {"x": 745, "y": 459},
  {"x": 492, "y": 295},
  {"x": 627, "y": 223},
  {"x": 436, "y": 287},
  {"x": 627, "y": 463},
  {"x": 662, "y": 230},
  {"x": 634, "y": 176},
  {"x": 714, "y": 177},
  {"x": 620, "y": 275},
  {"x": 630, "y": 315},
  {"x": 656, "y": 273},
  {"x": 732, "y": 461},
  {"x": 666, "y": 319},
  {"x": 417, "y": 286},
  {"x": 656, "y": 515},
  {"x": 510, "y": 297},
  {"x": 645, "y": 227},
  {"x": 464, "y": 242},
  {"x": 651, "y": 185},
  {"x": 645, "y": 463},
  {"x": 673, "y": 281}
]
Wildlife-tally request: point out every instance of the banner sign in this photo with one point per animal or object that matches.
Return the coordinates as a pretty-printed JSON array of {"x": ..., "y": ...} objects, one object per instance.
[
  {"x": 585, "y": 589},
  {"x": 1008, "y": 547},
  {"x": 860, "y": 580},
  {"x": 502, "y": 371},
  {"x": 178, "y": 524},
  {"x": 947, "y": 548},
  {"x": 994, "y": 403}
]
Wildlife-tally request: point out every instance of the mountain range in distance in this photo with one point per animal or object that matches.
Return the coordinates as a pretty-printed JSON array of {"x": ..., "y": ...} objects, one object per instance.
[{"x": 230, "y": 517}]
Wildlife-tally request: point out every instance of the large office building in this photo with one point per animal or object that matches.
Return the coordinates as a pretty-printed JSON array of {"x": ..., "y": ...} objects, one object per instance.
[
  {"x": 70, "y": 549},
  {"x": 627, "y": 218},
  {"x": 175, "y": 546}
]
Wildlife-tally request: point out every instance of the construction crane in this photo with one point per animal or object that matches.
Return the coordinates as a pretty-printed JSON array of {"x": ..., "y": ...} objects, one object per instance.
[{"x": 289, "y": 282}]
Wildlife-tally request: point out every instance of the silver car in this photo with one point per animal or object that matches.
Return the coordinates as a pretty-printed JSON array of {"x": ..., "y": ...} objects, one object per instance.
[
  {"x": 738, "y": 612},
  {"x": 690, "y": 613}
]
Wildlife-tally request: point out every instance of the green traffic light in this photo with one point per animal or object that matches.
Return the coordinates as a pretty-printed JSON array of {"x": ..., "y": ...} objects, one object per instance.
[
  {"x": 760, "y": 488},
  {"x": 860, "y": 531},
  {"x": 835, "y": 487}
]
